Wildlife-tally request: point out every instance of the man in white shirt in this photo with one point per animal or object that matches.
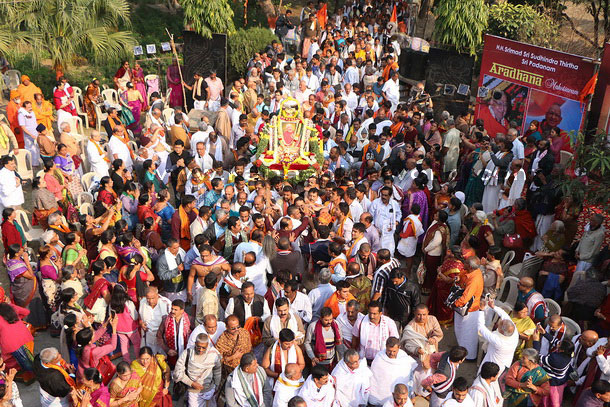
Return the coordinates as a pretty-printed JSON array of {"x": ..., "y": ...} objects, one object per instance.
[
  {"x": 386, "y": 214},
  {"x": 201, "y": 135},
  {"x": 518, "y": 149},
  {"x": 458, "y": 396},
  {"x": 351, "y": 75},
  {"x": 302, "y": 94},
  {"x": 299, "y": 302},
  {"x": 11, "y": 191},
  {"x": 247, "y": 300},
  {"x": 27, "y": 121},
  {"x": 485, "y": 390},
  {"x": 350, "y": 97},
  {"x": 353, "y": 380},
  {"x": 97, "y": 156},
  {"x": 211, "y": 326},
  {"x": 118, "y": 147},
  {"x": 370, "y": 334},
  {"x": 152, "y": 310},
  {"x": 313, "y": 83},
  {"x": 503, "y": 341},
  {"x": 321, "y": 293},
  {"x": 348, "y": 319},
  {"x": 391, "y": 91},
  {"x": 202, "y": 158}
]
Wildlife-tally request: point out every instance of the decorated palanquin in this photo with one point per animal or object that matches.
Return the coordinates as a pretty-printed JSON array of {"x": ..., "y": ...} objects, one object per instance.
[{"x": 289, "y": 144}]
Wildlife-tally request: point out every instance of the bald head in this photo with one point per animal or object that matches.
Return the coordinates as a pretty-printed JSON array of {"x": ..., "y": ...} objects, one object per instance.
[
  {"x": 292, "y": 371},
  {"x": 506, "y": 327},
  {"x": 588, "y": 338},
  {"x": 400, "y": 389},
  {"x": 526, "y": 283}
]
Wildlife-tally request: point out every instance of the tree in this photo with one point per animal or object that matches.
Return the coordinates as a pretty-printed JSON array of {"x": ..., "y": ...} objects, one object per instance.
[
  {"x": 64, "y": 29},
  {"x": 600, "y": 11},
  {"x": 208, "y": 16},
  {"x": 521, "y": 23},
  {"x": 461, "y": 24}
]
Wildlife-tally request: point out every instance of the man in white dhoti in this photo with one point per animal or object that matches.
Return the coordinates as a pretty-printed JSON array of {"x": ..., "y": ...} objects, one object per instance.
[
  {"x": 287, "y": 385},
  {"x": 502, "y": 342},
  {"x": 319, "y": 388},
  {"x": 400, "y": 397},
  {"x": 386, "y": 214},
  {"x": 494, "y": 174},
  {"x": 465, "y": 327},
  {"x": 257, "y": 273},
  {"x": 389, "y": 368},
  {"x": 353, "y": 380},
  {"x": 200, "y": 369},
  {"x": 485, "y": 390},
  {"x": 391, "y": 90},
  {"x": 247, "y": 386},
  {"x": 513, "y": 184},
  {"x": 152, "y": 310},
  {"x": 11, "y": 191},
  {"x": 98, "y": 159}
]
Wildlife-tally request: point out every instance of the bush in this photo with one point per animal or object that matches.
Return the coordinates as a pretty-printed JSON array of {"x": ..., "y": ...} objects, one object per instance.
[
  {"x": 522, "y": 23},
  {"x": 41, "y": 75},
  {"x": 244, "y": 43}
]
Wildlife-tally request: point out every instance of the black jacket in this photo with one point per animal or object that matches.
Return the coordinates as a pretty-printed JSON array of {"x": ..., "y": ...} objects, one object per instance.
[
  {"x": 401, "y": 300},
  {"x": 51, "y": 380}
]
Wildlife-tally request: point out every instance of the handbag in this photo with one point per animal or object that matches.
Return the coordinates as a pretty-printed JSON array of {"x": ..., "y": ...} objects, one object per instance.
[
  {"x": 454, "y": 295},
  {"x": 105, "y": 366},
  {"x": 179, "y": 387},
  {"x": 514, "y": 241}
]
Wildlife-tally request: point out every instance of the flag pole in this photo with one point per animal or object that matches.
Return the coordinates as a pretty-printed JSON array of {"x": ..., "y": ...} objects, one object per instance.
[{"x": 173, "y": 45}]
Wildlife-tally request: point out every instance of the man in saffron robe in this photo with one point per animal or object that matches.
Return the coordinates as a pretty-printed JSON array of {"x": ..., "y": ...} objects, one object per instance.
[{"x": 181, "y": 221}]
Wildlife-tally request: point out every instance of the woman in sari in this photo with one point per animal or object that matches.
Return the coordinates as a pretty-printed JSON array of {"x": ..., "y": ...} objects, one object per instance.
[
  {"x": 416, "y": 194},
  {"x": 16, "y": 341},
  {"x": 136, "y": 104},
  {"x": 49, "y": 265},
  {"x": 70, "y": 279},
  {"x": 55, "y": 181},
  {"x": 106, "y": 194},
  {"x": 108, "y": 239},
  {"x": 65, "y": 164},
  {"x": 129, "y": 199},
  {"x": 175, "y": 84},
  {"x": 45, "y": 203},
  {"x": 526, "y": 381},
  {"x": 475, "y": 186},
  {"x": 75, "y": 255},
  {"x": 129, "y": 274},
  {"x": 92, "y": 99},
  {"x": 155, "y": 375},
  {"x": 98, "y": 298},
  {"x": 434, "y": 246},
  {"x": 445, "y": 277},
  {"x": 483, "y": 233},
  {"x": 89, "y": 354},
  {"x": 11, "y": 231},
  {"x": 166, "y": 211},
  {"x": 137, "y": 77},
  {"x": 126, "y": 387},
  {"x": 122, "y": 75},
  {"x": 525, "y": 326},
  {"x": 96, "y": 393},
  {"x": 145, "y": 210},
  {"x": 24, "y": 285}
]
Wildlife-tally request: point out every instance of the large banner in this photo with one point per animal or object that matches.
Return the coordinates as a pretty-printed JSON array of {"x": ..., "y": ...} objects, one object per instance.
[
  {"x": 600, "y": 106},
  {"x": 537, "y": 88}
]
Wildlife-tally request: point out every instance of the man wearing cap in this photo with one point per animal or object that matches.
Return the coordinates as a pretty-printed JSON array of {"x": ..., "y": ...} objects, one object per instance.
[
  {"x": 215, "y": 88},
  {"x": 46, "y": 145},
  {"x": 27, "y": 122},
  {"x": 12, "y": 116},
  {"x": 27, "y": 89}
]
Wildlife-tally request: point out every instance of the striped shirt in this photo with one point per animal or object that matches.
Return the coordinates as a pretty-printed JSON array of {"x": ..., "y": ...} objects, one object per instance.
[{"x": 381, "y": 277}]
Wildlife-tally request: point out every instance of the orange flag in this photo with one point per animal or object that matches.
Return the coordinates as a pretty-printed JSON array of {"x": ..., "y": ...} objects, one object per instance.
[
  {"x": 393, "y": 18},
  {"x": 322, "y": 16},
  {"x": 588, "y": 89}
]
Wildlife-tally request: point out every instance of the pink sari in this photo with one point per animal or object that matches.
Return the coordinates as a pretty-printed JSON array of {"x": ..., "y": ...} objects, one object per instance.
[{"x": 138, "y": 82}]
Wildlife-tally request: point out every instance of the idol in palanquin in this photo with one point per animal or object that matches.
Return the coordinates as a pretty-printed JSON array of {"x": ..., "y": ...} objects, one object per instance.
[{"x": 290, "y": 143}]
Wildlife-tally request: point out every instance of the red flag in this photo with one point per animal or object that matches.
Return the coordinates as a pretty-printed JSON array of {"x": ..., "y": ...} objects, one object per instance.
[
  {"x": 393, "y": 19},
  {"x": 588, "y": 89},
  {"x": 322, "y": 16}
]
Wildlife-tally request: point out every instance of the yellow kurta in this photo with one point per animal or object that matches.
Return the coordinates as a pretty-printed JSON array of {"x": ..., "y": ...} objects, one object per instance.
[{"x": 44, "y": 113}]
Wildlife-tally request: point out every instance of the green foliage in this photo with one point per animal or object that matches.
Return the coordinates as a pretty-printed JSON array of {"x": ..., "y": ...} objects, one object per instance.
[
  {"x": 244, "y": 43},
  {"x": 461, "y": 24},
  {"x": 63, "y": 29},
  {"x": 208, "y": 16},
  {"x": 149, "y": 24},
  {"x": 42, "y": 76},
  {"x": 592, "y": 163},
  {"x": 521, "y": 23}
]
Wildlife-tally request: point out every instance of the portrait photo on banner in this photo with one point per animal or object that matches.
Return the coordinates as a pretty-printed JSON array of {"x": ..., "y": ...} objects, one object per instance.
[
  {"x": 553, "y": 111},
  {"x": 501, "y": 102}
]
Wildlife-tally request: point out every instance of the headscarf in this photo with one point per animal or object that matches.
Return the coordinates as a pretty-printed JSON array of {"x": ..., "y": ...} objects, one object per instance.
[{"x": 25, "y": 78}]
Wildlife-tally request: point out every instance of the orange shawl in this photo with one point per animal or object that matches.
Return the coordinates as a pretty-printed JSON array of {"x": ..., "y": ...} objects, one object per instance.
[
  {"x": 333, "y": 303},
  {"x": 185, "y": 226}
]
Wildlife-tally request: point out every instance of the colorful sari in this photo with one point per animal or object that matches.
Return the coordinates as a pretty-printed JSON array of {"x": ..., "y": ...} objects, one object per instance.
[
  {"x": 135, "y": 106},
  {"x": 175, "y": 84},
  {"x": 100, "y": 397},
  {"x": 440, "y": 291},
  {"x": 520, "y": 397},
  {"x": 68, "y": 168},
  {"x": 117, "y": 392},
  {"x": 524, "y": 326},
  {"x": 137, "y": 76},
  {"x": 152, "y": 381}
]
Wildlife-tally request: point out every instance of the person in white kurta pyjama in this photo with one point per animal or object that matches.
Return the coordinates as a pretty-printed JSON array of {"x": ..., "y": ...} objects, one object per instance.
[
  {"x": 11, "y": 191},
  {"x": 153, "y": 308},
  {"x": 502, "y": 342},
  {"x": 97, "y": 156},
  {"x": 353, "y": 380},
  {"x": 390, "y": 367},
  {"x": 485, "y": 390}
]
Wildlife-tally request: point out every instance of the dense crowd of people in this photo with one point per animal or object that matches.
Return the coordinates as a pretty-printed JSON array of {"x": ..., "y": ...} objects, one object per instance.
[{"x": 214, "y": 282}]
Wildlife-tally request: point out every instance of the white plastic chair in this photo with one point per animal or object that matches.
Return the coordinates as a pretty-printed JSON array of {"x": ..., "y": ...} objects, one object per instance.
[
  {"x": 572, "y": 328},
  {"x": 86, "y": 209},
  {"x": 31, "y": 233},
  {"x": 84, "y": 197},
  {"x": 531, "y": 265},
  {"x": 111, "y": 96},
  {"x": 506, "y": 261},
  {"x": 76, "y": 125},
  {"x": 167, "y": 114},
  {"x": 553, "y": 307},
  {"x": 14, "y": 78},
  {"x": 78, "y": 101},
  {"x": 40, "y": 174},
  {"x": 134, "y": 147},
  {"x": 87, "y": 179},
  {"x": 508, "y": 292},
  {"x": 23, "y": 158},
  {"x": 565, "y": 157},
  {"x": 100, "y": 117}
]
